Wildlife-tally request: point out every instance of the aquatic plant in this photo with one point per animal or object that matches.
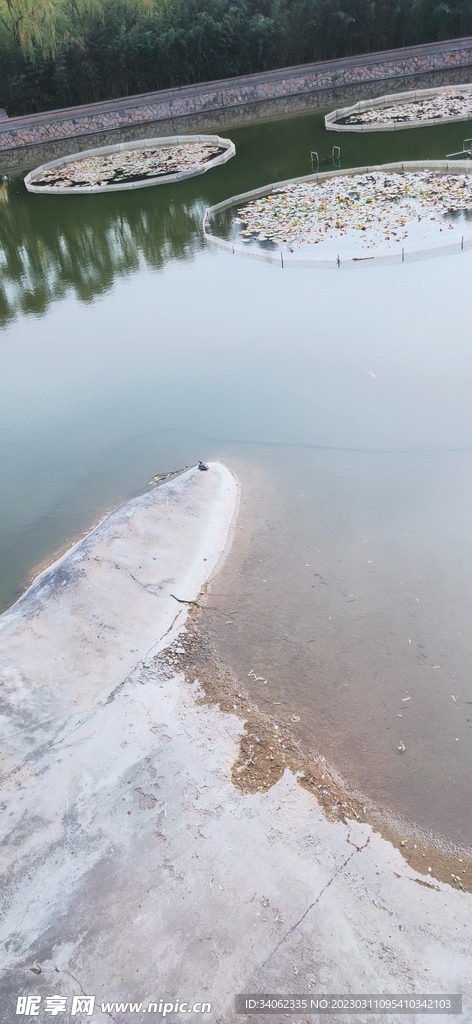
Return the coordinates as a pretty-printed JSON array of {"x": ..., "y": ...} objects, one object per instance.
[{"x": 381, "y": 208}]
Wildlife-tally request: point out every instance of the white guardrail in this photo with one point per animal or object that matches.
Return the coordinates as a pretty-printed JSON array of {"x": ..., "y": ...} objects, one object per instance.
[
  {"x": 388, "y": 101},
  {"x": 143, "y": 144},
  {"x": 283, "y": 259}
]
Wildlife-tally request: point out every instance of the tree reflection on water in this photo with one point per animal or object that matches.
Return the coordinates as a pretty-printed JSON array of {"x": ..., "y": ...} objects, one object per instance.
[{"x": 53, "y": 246}]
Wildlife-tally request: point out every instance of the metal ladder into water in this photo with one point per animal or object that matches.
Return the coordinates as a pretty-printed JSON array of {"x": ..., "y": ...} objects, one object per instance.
[
  {"x": 466, "y": 151},
  {"x": 335, "y": 158}
]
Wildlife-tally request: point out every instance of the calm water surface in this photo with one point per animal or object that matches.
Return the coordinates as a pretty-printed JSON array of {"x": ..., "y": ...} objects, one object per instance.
[{"x": 341, "y": 399}]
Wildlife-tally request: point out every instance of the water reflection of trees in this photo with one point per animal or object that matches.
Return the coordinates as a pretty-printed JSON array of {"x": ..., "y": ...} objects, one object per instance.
[{"x": 51, "y": 247}]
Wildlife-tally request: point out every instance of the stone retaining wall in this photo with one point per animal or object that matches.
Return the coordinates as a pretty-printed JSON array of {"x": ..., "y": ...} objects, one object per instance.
[{"x": 205, "y": 106}]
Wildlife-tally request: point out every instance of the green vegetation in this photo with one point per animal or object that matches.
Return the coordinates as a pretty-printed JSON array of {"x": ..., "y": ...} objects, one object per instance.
[{"x": 54, "y": 53}]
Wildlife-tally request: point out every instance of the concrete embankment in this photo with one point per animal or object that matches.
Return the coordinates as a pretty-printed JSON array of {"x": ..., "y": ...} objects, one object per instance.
[
  {"x": 135, "y": 869},
  {"x": 216, "y": 105}
]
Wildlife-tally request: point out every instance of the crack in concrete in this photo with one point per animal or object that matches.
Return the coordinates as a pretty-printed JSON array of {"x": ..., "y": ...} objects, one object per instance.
[
  {"x": 62, "y": 970},
  {"x": 31, "y": 970},
  {"x": 143, "y": 587},
  {"x": 114, "y": 693},
  {"x": 144, "y": 662},
  {"x": 83, "y": 992},
  {"x": 166, "y": 632},
  {"x": 35, "y": 897},
  {"x": 357, "y": 849},
  {"x": 19, "y": 728},
  {"x": 58, "y": 739},
  {"x": 36, "y": 754}
]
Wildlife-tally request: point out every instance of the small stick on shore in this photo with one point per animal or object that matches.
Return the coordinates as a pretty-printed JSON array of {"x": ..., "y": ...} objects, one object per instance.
[{"x": 182, "y": 601}]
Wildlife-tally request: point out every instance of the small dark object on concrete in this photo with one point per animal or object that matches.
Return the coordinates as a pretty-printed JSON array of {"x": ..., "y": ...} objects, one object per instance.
[{"x": 201, "y": 465}]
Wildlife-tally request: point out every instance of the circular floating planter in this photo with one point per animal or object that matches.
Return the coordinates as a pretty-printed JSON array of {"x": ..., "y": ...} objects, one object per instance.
[
  {"x": 392, "y": 213},
  {"x": 421, "y": 108},
  {"x": 131, "y": 165}
]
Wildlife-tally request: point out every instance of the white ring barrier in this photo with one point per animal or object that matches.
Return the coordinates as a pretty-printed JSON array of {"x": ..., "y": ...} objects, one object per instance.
[{"x": 125, "y": 147}]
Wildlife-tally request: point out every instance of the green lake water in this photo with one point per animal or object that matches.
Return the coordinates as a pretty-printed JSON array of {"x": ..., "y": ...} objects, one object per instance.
[{"x": 341, "y": 399}]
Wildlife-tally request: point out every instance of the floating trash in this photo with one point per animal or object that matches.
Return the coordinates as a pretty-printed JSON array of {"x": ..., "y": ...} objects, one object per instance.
[
  {"x": 375, "y": 209},
  {"x": 132, "y": 165},
  {"x": 401, "y": 747},
  {"x": 397, "y": 111}
]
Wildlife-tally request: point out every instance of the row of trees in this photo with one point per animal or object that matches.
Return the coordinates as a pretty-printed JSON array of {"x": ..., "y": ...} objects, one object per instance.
[{"x": 55, "y": 53}]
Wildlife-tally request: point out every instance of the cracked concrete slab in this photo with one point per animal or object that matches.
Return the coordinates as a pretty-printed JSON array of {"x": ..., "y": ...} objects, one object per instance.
[{"x": 133, "y": 869}]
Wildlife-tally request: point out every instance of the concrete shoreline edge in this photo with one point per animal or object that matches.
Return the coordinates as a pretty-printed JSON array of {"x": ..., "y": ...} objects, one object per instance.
[
  {"x": 215, "y": 99},
  {"x": 137, "y": 867}
]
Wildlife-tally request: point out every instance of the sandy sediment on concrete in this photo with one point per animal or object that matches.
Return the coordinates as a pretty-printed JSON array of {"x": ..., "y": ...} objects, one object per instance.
[{"x": 136, "y": 870}]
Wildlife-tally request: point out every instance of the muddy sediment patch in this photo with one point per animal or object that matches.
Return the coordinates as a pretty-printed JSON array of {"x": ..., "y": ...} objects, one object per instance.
[{"x": 268, "y": 747}]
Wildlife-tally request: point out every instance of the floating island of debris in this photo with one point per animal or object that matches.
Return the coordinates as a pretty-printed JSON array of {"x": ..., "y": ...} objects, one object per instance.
[
  {"x": 372, "y": 210},
  {"x": 445, "y": 105},
  {"x": 140, "y": 164}
]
